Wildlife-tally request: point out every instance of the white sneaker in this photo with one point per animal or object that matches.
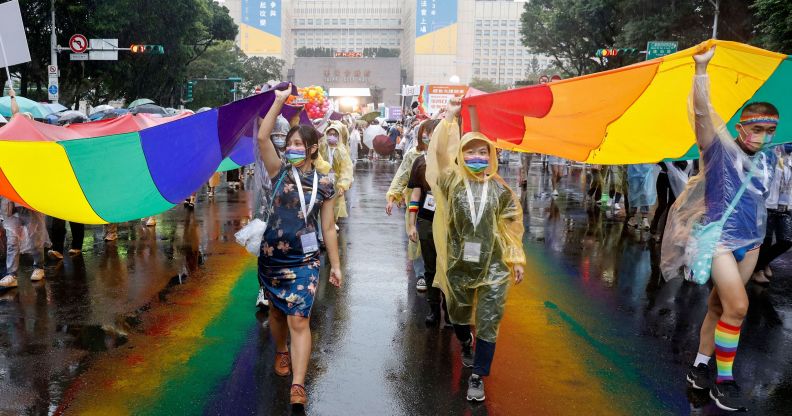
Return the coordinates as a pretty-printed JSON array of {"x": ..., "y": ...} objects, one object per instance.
[
  {"x": 152, "y": 221},
  {"x": 9, "y": 282},
  {"x": 617, "y": 207},
  {"x": 645, "y": 224},
  {"x": 262, "y": 300},
  {"x": 420, "y": 285},
  {"x": 55, "y": 254},
  {"x": 555, "y": 192},
  {"x": 38, "y": 274}
]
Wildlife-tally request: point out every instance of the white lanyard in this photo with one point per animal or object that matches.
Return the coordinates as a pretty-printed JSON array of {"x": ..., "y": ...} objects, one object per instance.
[
  {"x": 298, "y": 184},
  {"x": 475, "y": 217},
  {"x": 331, "y": 156}
]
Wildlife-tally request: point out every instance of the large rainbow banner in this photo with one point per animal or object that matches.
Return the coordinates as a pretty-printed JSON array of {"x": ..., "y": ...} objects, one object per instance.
[
  {"x": 121, "y": 169},
  {"x": 635, "y": 114}
]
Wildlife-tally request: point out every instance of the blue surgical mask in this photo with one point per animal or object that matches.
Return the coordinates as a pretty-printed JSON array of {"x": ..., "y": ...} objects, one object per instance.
[{"x": 279, "y": 141}]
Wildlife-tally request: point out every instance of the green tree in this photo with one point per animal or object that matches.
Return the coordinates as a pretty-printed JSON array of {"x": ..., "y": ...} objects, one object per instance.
[
  {"x": 569, "y": 31},
  {"x": 774, "y": 24},
  {"x": 221, "y": 60},
  {"x": 685, "y": 21},
  {"x": 186, "y": 28},
  {"x": 258, "y": 71},
  {"x": 486, "y": 85}
]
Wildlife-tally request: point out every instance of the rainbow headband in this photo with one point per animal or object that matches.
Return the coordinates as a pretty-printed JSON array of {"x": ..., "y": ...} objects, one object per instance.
[{"x": 763, "y": 118}]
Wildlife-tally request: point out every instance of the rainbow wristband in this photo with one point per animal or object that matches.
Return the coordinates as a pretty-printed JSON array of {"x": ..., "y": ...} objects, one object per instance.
[{"x": 413, "y": 206}]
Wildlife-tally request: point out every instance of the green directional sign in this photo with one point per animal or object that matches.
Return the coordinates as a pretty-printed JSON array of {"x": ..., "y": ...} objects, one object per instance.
[{"x": 656, "y": 49}]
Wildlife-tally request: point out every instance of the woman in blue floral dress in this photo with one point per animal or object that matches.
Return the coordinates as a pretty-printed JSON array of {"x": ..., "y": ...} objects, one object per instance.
[{"x": 289, "y": 261}]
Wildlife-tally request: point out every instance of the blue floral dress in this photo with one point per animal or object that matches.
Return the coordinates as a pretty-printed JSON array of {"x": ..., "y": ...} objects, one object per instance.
[{"x": 289, "y": 276}]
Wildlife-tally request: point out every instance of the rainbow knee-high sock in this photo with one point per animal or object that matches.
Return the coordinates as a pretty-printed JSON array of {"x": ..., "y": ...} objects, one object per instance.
[{"x": 726, "y": 339}]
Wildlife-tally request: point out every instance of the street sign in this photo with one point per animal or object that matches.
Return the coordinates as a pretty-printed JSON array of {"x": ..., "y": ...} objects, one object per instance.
[
  {"x": 79, "y": 57},
  {"x": 656, "y": 49},
  {"x": 411, "y": 90},
  {"x": 52, "y": 89},
  {"x": 52, "y": 71},
  {"x": 544, "y": 79},
  {"x": 103, "y": 50},
  {"x": 78, "y": 43}
]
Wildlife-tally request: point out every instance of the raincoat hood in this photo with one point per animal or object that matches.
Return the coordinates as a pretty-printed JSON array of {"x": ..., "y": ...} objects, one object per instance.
[{"x": 492, "y": 169}]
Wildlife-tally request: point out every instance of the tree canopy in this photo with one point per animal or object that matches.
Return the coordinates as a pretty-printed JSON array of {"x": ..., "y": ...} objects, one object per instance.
[
  {"x": 570, "y": 31},
  {"x": 186, "y": 29}
]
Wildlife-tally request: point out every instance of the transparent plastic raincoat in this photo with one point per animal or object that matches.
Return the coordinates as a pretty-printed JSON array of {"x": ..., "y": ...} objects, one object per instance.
[
  {"x": 24, "y": 226},
  {"x": 475, "y": 292},
  {"x": 642, "y": 184},
  {"x": 697, "y": 230},
  {"x": 400, "y": 193},
  {"x": 340, "y": 167}
]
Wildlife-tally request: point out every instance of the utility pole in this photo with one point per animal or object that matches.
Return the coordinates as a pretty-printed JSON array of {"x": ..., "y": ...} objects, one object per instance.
[
  {"x": 715, "y": 3},
  {"x": 54, "y": 45}
]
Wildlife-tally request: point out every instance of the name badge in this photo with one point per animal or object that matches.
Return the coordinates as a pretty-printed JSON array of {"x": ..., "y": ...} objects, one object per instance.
[
  {"x": 472, "y": 252},
  {"x": 309, "y": 243},
  {"x": 429, "y": 203}
]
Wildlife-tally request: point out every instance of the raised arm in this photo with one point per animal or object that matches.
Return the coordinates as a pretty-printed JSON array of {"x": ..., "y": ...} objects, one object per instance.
[
  {"x": 474, "y": 119},
  {"x": 14, "y": 105},
  {"x": 702, "y": 107},
  {"x": 446, "y": 131},
  {"x": 268, "y": 154}
]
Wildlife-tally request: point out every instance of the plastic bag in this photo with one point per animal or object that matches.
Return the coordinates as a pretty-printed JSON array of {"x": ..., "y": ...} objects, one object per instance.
[{"x": 250, "y": 236}]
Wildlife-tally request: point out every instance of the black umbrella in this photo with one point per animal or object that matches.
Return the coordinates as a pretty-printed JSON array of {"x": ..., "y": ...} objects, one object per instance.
[
  {"x": 71, "y": 117},
  {"x": 149, "y": 109}
]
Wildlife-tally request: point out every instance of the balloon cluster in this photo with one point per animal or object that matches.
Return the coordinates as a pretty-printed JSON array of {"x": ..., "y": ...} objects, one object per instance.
[{"x": 315, "y": 100}]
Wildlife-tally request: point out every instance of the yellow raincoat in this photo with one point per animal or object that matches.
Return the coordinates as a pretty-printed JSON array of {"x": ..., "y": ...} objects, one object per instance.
[
  {"x": 340, "y": 168},
  {"x": 475, "y": 292},
  {"x": 400, "y": 193}
]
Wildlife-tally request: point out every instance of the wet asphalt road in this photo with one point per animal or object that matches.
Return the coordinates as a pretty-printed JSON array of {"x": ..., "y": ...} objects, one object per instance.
[{"x": 162, "y": 322}]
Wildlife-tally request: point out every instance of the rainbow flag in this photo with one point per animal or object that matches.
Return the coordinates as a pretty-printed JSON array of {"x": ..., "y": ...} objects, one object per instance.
[{"x": 635, "y": 114}]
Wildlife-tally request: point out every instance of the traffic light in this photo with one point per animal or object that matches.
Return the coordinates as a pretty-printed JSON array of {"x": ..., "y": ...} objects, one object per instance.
[
  {"x": 147, "y": 49},
  {"x": 612, "y": 52},
  {"x": 188, "y": 91}
]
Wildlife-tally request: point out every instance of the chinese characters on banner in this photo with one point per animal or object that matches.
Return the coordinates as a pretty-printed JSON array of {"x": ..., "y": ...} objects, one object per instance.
[
  {"x": 433, "y": 15},
  {"x": 260, "y": 30},
  {"x": 439, "y": 95}
]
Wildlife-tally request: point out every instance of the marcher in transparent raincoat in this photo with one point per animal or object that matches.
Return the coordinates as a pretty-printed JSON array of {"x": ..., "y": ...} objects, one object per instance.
[
  {"x": 478, "y": 232},
  {"x": 26, "y": 233},
  {"x": 642, "y": 194},
  {"x": 334, "y": 153},
  {"x": 399, "y": 194},
  {"x": 719, "y": 222}
]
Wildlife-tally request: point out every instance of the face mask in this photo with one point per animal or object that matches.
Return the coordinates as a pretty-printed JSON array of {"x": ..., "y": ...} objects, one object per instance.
[
  {"x": 295, "y": 156},
  {"x": 425, "y": 139},
  {"x": 332, "y": 139},
  {"x": 476, "y": 164},
  {"x": 279, "y": 141},
  {"x": 755, "y": 140}
]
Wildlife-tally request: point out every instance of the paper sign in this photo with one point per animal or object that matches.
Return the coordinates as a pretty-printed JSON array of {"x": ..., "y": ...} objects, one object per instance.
[{"x": 12, "y": 32}]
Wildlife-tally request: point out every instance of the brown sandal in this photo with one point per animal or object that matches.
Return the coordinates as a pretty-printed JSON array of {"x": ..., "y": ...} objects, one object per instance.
[
  {"x": 298, "y": 396},
  {"x": 282, "y": 365}
]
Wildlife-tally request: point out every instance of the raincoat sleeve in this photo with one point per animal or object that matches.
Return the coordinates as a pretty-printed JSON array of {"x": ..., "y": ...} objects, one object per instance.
[
  {"x": 440, "y": 167},
  {"x": 321, "y": 165},
  {"x": 343, "y": 168},
  {"x": 441, "y": 157},
  {"x": 398, "y": 186},
  {"x": 510, "y": 228}
]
